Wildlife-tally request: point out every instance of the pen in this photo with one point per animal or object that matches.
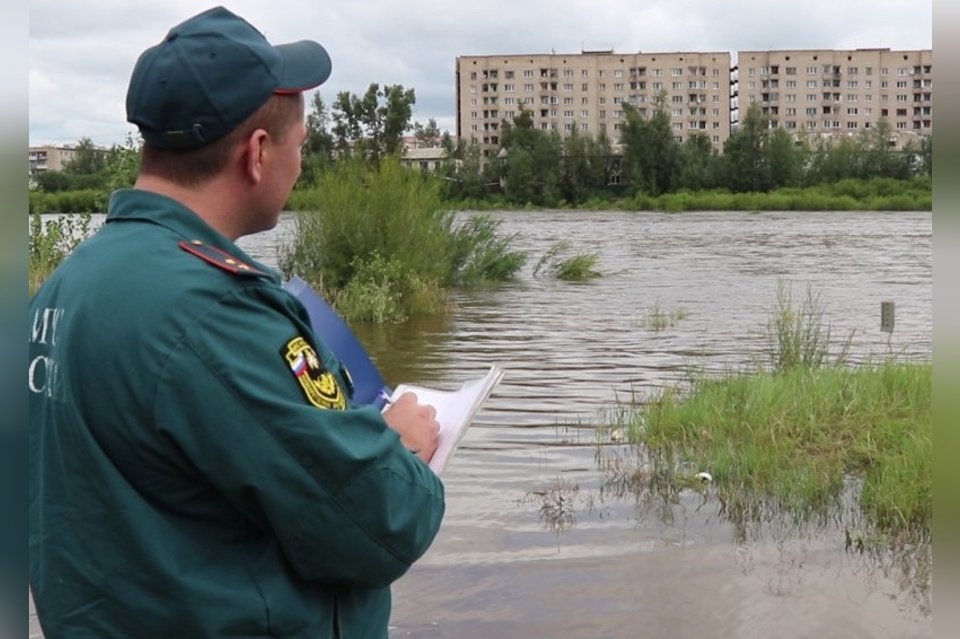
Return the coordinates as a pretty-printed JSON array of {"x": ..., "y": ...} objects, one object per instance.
[{"x": 386, "y": 398}]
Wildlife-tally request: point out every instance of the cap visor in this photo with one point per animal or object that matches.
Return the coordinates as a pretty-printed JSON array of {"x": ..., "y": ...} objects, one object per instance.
[{"x": 306, "y": 64}]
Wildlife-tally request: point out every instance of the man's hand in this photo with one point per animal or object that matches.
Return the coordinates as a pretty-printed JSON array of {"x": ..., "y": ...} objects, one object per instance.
[{"x": 416, "y": 423}]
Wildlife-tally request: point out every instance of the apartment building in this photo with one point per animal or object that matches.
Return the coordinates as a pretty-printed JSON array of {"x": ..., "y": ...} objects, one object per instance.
[
  {"x": 586, "y": 91},
  {"x": 838, "y": 92},
  {"x": 49, "y": 158}
]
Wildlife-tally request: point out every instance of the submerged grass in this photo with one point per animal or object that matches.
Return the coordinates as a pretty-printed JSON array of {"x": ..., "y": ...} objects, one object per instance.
[
  {"x": 796, "y": 437},
  {"x": 802, "y": 435},
  {"x": 556, "y": 263}
]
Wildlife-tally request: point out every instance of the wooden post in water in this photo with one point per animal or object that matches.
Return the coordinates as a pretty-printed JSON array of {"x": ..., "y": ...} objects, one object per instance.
[{"x": 886, "y": 316}]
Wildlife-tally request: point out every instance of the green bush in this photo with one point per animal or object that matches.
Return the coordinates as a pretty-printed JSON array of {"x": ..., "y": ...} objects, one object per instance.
[
  {"x": 49, "y": 242},
  {"x": 386, "y": 229}
]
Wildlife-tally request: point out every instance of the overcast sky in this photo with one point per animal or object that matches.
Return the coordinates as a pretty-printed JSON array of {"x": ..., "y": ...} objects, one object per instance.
[{"x": 82, "y": 51}]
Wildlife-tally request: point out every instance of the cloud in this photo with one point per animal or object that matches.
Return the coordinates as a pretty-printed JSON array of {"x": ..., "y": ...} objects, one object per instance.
[{"x": 81, "y": 52}]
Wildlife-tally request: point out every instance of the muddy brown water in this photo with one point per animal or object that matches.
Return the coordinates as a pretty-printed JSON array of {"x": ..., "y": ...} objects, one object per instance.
[{"x": 539, "y": 539}]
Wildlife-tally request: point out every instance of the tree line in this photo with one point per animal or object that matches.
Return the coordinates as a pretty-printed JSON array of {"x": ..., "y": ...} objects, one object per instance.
[{"x": 539, "y": 167}]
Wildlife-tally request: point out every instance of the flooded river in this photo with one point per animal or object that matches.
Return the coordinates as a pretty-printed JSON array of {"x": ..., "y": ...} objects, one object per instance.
[{"x": 539, "y": 540}]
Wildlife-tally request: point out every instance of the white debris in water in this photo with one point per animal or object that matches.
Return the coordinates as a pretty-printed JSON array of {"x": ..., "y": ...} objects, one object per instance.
[
  {"x": 618, "y": 436},
  {"x": 704, "y": 477}
]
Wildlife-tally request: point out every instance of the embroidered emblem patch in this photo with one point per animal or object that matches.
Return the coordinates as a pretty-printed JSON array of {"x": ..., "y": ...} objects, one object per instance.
[{"x": 319, "y": 384}]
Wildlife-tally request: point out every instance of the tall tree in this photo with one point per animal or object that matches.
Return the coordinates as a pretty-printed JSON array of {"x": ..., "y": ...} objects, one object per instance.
[
  {"x": 427, "y": 135},
  {"x": 651, "y": 153},
  {"x": 699, "y": 163},
  {"x": 87, "y": 159},
  {"x": 783, "y": 160},
  {"x": 374, "y": 124},
  {"x": 745, "y": 163},
  {"x": 319, "y": 139}
]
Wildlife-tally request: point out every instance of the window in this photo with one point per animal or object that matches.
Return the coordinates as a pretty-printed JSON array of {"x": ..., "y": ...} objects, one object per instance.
[
  {"x": 584, "y": 87},
  {"x": 528, "y": 73},
  {"x": 618, "y": 73},
  {"x": 851, "y": 111},
  {"x": 678, "y": 86},
  {"x": 528, "y": 87},
  {"x": 812, "y": 84},
  {"x": 677, "y": 73},
  {"x": 852, "y": 70},
  {"x": 618, "y": 86},
  {"x": 509, "y": 88},
  {"x": 584, "y": 73},
  {"x": 473, "y": 75},
  {"x": 851, "y": 125},
  {"x": 568, "y": 86},
  {"x": 508, "y": 75},
  {"x": 568, "y": 73},
  {"x": 791, "y": 84},
  {"x": 811, "y": 70},
  {"x": 851, "y": 84}
]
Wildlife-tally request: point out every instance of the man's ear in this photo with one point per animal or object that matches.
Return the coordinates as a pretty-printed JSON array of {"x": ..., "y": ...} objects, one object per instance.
[{"x": 254, "y": 155}]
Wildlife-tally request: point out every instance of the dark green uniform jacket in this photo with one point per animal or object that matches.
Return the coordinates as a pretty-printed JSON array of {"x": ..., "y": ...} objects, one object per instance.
[{"x": 196, "y": 469}]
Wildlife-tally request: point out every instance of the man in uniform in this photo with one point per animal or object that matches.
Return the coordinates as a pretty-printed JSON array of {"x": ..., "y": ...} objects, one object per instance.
[{"x": 197, "y": 468}]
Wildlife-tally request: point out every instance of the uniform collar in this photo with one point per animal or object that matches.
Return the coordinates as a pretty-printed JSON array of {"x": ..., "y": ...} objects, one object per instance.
[{"x": 146, "y": 206}]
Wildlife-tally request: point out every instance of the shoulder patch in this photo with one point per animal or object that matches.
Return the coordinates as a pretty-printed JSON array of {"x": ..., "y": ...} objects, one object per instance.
[
  {"x": 318, "y": 384},
  {"x": 221, "y": 259}
]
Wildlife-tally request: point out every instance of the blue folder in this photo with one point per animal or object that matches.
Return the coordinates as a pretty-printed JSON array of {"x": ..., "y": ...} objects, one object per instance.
[{"x": 368, "y": 384}]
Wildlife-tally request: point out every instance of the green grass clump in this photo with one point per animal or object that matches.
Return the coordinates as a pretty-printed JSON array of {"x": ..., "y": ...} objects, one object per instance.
[
  {"x": 658, "y": 319},
  {"x": 797, "y": 337},
  {"x": 794, "y": 437},
  {"x": 571, "y": 268},
  {"x": 379, "y": 242}
]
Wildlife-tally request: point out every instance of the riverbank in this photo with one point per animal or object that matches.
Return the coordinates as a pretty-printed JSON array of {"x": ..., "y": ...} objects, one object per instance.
[
  {"x": 847, "y": 195},
  {"x": 879, "y": 194}
]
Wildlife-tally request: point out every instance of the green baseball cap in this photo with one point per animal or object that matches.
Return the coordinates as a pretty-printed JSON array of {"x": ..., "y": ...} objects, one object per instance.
[{"x": 212, "y": 72}]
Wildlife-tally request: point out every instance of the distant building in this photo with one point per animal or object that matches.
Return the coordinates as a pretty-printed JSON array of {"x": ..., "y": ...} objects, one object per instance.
[
  {"x": 424, "y": 158},
  {"x": 49, "y": 158},
  {"x": 810, "y": 93},
  {"x": 833, "y": 93},
  {"x": 585, "y": 92}
]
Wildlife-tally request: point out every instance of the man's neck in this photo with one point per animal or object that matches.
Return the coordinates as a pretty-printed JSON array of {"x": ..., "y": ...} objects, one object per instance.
[{"x": 212, "y": 202}]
